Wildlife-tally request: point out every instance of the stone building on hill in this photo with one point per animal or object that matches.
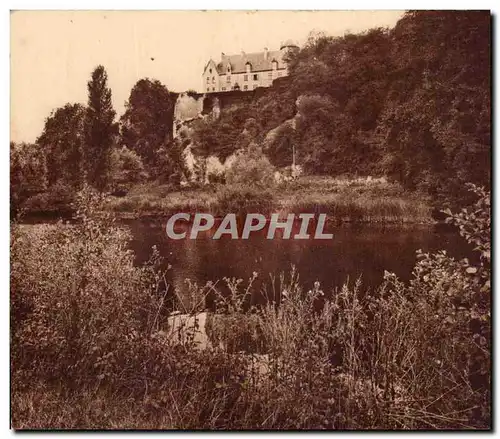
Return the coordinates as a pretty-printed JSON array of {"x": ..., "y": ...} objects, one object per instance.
[{"x": 246, "y": 71}]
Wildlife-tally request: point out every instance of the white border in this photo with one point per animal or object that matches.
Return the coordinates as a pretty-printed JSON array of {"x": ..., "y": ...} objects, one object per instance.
[{"x": 157, "y": 4}]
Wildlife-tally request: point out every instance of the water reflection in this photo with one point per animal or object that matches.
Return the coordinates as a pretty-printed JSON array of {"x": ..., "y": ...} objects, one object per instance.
[{"x": 354, "y": 251}]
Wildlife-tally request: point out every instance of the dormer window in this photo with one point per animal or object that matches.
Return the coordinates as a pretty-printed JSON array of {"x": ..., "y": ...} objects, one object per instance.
[
  {"x": 275, "y": 64},
  {"x": 248, "y": 67},
  {"x": 210, "y": 70},
  {"x": 229, "y": 69}
]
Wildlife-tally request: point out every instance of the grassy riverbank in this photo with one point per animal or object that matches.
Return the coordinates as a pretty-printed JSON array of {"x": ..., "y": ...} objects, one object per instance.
[
  {"x": 91, "y": 348},
  {"x": 343, "y": 200}
]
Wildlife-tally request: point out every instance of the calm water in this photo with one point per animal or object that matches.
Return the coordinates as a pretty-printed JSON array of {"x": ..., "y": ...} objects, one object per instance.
[{"x": 354, "y": 251}]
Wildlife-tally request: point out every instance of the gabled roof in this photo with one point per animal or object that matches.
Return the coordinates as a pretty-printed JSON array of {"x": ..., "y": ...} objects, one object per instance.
[
  {"x": 257, "y": 60},
  {"x": 211, "y": 61}
]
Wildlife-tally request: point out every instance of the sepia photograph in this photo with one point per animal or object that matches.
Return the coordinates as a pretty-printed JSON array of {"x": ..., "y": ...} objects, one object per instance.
[{"x": 271, "y": 220}]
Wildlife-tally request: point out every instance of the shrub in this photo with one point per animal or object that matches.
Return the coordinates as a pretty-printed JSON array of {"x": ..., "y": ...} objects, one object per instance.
[
  {"x": 28, "y": 172},
  {"x": 84, "y": 301},
  {"x": 253, "y": 169},
  {"x": 126, "y": 167},
  {"x": 58, "y": 198},
  {"x": 243, "y": 199}
]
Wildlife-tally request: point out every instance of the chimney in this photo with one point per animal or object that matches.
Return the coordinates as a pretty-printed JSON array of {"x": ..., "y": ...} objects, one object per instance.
[{"x": 266, "y": 53}]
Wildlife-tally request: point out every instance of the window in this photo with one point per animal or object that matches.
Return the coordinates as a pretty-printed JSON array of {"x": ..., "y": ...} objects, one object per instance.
[
  {"x": 255, "y": 77},
  {"x": 210, "y": 71},
  {"x": 228, "y": 79},
  {"x": 245, "y": 77},
  {"x": 275, "y": 65},
  {"x": 213, "y": 88},
  {"x": 248, "y": 67},
  {"x": 213, "y": 80},
  {"x": 208, "y": 88},
  {"x": 270, "y": 75},
  {"x": 208, "y": 79},
  {"x": 228, "y": 68},
  {"x": 223, "y": 88},
  {"x": 245, "y": 87},
  {"x": 280, "y": 73}
]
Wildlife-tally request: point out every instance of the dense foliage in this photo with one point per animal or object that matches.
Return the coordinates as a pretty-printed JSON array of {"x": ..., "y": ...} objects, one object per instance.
[
  {"x": 27, "y": 173},
  {"x": 146, "y": 125},
  {"x": 252, "y": 169},
  {"x": 412, "y": 103},
  {"x": 93, "y": 345},
  {"x": 99, "y": 129},
  {"x": 62, "y": 142}
]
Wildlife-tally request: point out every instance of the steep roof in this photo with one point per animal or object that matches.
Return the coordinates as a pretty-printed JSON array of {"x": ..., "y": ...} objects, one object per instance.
[
  {"x": 288, "y": 43},
  {"x": 210, "y": 62},
  {"x": 257, "y": 60}
]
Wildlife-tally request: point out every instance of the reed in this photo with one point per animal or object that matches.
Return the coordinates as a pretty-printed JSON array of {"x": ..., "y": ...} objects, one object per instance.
[
  {"x": 92, "y": 347},
  {"x": 343, "y": 200}
]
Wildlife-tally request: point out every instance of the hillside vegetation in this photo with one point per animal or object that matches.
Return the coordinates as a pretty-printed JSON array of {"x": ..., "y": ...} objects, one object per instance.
[{"x": 411, "y": 103}]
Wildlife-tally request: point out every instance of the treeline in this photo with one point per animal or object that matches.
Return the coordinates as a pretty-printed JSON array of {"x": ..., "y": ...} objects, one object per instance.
[
  {"x": 411, "y": 103},
  {"x": 87, "y": 145}
]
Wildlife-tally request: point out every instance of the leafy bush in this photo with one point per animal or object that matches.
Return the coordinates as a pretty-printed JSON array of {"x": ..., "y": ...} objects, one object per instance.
[
  {"x": 252, "y": 169},
  {"x": 84, "y": 301},
  {"x": 58, "y": 199},
  {"x": 126, "y": 168},
  {"x": 446, "y": 313},
  {"x": 28, "y": 172},
  {"x": 243, "y": 199}
]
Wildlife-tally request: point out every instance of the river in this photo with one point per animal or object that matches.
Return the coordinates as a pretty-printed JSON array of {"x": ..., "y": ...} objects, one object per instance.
[{"x": 354, "y": 251}]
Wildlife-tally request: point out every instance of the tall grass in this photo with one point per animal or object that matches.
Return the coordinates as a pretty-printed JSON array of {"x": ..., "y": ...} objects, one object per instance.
[
  {"x": 343, "y": 200},
  {"x": 92, "y": 347}
]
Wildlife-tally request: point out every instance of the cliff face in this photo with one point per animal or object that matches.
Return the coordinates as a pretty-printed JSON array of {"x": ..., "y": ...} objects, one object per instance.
[
  {"x": 187, "y": 108},
  {"x": 190, "y": 107}
]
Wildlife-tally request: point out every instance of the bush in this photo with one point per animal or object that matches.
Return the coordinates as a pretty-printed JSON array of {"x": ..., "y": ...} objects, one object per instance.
[
  {"x": 243, "y": 199},
  {"x": 126, "y": 168},
  {"x": 78, "y": 301},
  {"x": 28, "y": 173},
  {"x": 58, "y": 199},
  {"x": 253, "y": 169}
]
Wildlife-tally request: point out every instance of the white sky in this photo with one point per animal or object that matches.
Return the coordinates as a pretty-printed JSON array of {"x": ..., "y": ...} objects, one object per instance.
[{"x": 54, "y": 52}]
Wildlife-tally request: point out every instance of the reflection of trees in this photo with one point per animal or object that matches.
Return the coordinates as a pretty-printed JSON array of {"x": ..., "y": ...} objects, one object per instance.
[{"x": 352, "y": 252}]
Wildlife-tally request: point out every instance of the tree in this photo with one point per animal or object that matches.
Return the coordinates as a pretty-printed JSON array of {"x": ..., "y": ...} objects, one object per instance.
[
  {"x": 100, "y": 129},
  {"x": 126, "y": 167},
  {"x": 436, "y": 122},
  {"x": 146, "y": 125},
  {"x": 62, "y": 143},
  {"x": 27, "y": 172},
  {"x": 221, "y": 137}
]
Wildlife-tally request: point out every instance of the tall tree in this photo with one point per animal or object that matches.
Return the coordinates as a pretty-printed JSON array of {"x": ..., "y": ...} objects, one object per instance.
[
  {"x": 62, "y": 143},
  {"x": 100, "y": 129},
  {"x": 146, "y": 125}
]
